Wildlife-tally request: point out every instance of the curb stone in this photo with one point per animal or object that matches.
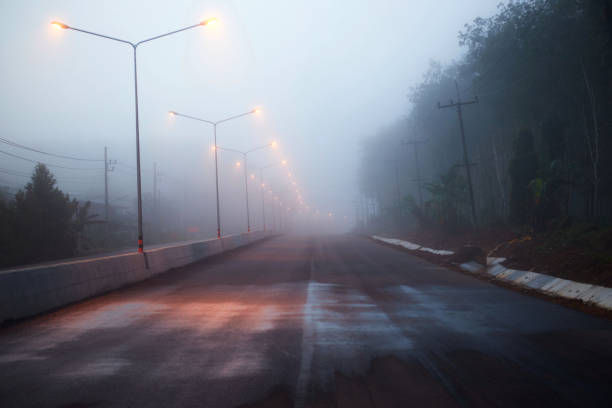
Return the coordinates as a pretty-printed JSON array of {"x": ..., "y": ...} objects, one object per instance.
[{"x": 597, "y": 295}]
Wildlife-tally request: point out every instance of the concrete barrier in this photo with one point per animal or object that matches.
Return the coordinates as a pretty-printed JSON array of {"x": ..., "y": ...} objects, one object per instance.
[{"x": 30, "y": 291}]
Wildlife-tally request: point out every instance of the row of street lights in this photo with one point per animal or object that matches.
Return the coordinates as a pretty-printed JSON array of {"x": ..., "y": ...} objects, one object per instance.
[
  {"x": 134, "y": 45},
  {"x": 246, "y": 183},
  {"x": 214, "y": 124}
]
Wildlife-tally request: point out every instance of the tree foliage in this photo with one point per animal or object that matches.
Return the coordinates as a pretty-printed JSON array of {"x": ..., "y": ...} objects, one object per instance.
[
  {"x": 41, "y": 222},
  {"x": 542, "y": 70}
]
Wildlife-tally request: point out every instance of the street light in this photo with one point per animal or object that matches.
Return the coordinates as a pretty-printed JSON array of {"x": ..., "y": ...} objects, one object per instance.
[
  {"x": 134, "y": 46},
  {"x": 263, "y": 185},
  {"x": 246, "y": 184},
  {"x": 215, "y": 148}
]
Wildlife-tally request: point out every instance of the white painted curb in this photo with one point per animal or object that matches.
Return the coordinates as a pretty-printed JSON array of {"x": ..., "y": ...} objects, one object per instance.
[
  {"x": 565, "y": 288},
  {"x": 411, "y": 246},
  {"x": 550, "y": 285}
]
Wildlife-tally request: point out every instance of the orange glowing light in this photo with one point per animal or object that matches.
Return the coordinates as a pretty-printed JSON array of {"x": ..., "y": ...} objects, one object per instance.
[
  {"x": 172, "y": 113},
  {"x": 253, "y": 176},
  {"x": 237, "y": 164},
  {"x": 284, "y": 162},
  {"x": 256, "y": 110},
  {"x": 59, "y": 25},
  {"x": 213, "y": 148},
  {"x": 210, "y": 21},
  {"x": 274, "y": 145}
]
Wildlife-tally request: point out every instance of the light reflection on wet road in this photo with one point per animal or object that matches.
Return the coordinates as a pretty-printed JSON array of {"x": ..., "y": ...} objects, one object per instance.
[{"x": 309, "y": 321}]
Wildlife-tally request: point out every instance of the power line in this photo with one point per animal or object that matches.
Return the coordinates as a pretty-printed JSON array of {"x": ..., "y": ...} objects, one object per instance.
[
  {"x": 47, "y": 164},
  {"x": 15, "y": 144},
  {"x": 14, "y": 173}
]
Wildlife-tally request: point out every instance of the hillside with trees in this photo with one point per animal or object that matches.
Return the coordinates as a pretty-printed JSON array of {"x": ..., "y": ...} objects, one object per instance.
[{"x": 539, "y": 74}]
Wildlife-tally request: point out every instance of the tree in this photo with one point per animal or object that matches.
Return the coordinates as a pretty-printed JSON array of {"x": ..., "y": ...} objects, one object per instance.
[
  {"x": 541, "y": 65},
  {"x": 448, "y": 197},
  {"x": 44, "y": 223}
]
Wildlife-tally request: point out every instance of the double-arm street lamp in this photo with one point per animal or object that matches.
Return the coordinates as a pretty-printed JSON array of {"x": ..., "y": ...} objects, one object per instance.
[
  {"x": 246, "y": 182},
  {"x": 134, "y": 46},
  {"x": 263, "y": 196},
  {"x": 214, "y": 124}
]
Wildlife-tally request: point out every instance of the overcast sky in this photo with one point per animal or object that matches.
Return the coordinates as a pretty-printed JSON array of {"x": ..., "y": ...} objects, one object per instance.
[{"x": 326, "y": 74}]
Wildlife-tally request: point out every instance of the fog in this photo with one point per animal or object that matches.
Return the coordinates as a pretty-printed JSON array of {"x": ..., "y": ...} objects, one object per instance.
[{"x": 325, "y": 75}]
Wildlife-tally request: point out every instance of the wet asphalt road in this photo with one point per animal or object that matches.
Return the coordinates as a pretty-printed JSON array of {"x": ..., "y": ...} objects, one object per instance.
[{"x": 329, "y": 321}]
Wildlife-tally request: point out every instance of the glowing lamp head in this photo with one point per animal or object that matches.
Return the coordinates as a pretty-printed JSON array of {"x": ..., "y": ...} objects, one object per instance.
[
  {"x": 237, "y": 164},
  {"x": 252, "y": 176},
  {"x": 210, "y": 21},
  {"x": 256, "y": 110},
  {"x": 274, "y": 145},
  {"x": 59, "y": 25},
  {"x": 172, "y": 113},
  {"x": 213, "y": 148},
  {"x": 284, "y": 162}
]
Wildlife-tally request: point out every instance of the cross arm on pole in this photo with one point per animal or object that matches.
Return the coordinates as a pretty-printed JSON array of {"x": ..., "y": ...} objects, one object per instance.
[
  {"x": 259, "y": 148},
  {"x": 192, "y": 117},
  {"x": 167, "y": 34},
  {"x": 453, "y": 104},
  {"x": 108, "y": 37},
  {"x": 231, "y": 150},
  {"x": 235, "y": 116}
]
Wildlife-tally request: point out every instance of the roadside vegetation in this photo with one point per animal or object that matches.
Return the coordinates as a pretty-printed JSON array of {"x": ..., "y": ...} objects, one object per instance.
[
  {"x": 540, "y": 75},
  {"x": 41, "y": 223}
]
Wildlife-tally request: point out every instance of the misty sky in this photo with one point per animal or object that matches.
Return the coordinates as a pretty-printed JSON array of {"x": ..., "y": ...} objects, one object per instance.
[{"x": 326, "y": 74}]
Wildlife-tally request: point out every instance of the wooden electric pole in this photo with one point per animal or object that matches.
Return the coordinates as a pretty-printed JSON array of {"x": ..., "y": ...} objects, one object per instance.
[
  {"x": 466, "y": 161},
  {"x": 107, "y": 167}
]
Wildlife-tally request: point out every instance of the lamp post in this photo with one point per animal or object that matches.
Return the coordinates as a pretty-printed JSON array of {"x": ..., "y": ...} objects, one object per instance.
[
  {"x": 214, "y": 124},
  {"x": 246, "y": 180},
  {"x": 134, "y": 46},
  {"x": 263, "y": 198}
]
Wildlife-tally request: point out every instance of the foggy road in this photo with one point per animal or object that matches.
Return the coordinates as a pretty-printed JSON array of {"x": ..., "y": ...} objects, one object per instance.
[{"x": 308, "y": 321}]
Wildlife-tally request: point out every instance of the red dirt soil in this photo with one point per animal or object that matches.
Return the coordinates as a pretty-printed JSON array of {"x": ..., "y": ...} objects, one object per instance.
[{"x": 525, "y": 252}]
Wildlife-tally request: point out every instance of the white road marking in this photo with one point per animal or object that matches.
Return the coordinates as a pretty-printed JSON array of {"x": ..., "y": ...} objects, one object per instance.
[{"x": 307, "y": 344}]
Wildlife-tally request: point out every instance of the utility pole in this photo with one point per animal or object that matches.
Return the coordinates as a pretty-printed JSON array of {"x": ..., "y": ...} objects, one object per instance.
[
  {"x": 466, "y": 161},
  {"x": 263, "y": 199},
  {"x": 397, "y": 186},
  {"x": 156, "y": 195},
  {"x": 155, "y": 190},
  {"x": 107, "y": 167},
  {"x": 418, "y": 179}
]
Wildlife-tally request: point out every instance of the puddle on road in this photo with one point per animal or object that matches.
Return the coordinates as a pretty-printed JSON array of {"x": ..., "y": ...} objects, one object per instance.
[
  {"x": 427, "y": 306},
  {"x": 98, "y": 368},
  {"x": 114, "y": 316},
  {"x": 345, "y": 317}
]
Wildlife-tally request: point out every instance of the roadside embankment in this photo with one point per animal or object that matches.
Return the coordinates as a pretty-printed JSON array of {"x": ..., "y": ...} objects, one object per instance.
[
  {"x": 32, "y": 290},
  {"x": 591, "y": 294}
]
